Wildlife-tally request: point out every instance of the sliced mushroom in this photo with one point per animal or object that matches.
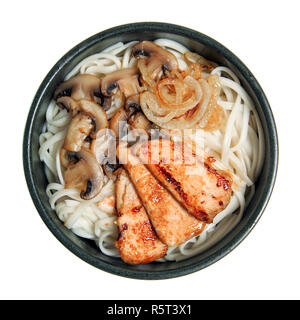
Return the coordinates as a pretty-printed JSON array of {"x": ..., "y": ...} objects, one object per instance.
[
  {"x": 85, "y": 175},
  {"x": 68, "y": 103},
  {"x": 118, "y": 123},
  {"x": 99, "y": 145},
  {"x": 87, "y": 142},
  {"x": 111, "y": 170},
  {"x": 97, "y": 114},
  {"x": 67, "y": 157},
  {"x": 154, "y": 58},
  {"x": 78, "y": 130},
  {"x": 119, "y": 99},
  {"x": 125, "y": 79},
  {"x": 139, "y": 121},
  {"x": 106, "y": 103},
  {"x": 129, "y": 116},
  {"x": 132, "y": 104},
  {"x": 82, "y": 86},
  {"x": 136, "y": 118}
]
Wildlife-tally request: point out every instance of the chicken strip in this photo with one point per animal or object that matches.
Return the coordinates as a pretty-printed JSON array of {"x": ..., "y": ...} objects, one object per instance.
[
  {"x": 172, "y": 223},
  {"x": 137, "y": 242},
  {"x": 190, "y": 178}
]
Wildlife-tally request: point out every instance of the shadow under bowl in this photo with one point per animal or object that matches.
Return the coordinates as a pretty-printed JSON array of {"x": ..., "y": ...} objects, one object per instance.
[{"x": 37, "y": 181}]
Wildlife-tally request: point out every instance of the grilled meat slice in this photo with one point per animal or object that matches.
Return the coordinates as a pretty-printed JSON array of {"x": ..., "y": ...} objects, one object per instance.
[
  {"x": 172, "y": 223},
  {"x": 190, "y": 178},
  {"x": 137, "y": 242}
]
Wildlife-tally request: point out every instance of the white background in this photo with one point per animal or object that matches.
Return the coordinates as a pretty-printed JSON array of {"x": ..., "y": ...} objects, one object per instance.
[{"x": 35, "y": 34}]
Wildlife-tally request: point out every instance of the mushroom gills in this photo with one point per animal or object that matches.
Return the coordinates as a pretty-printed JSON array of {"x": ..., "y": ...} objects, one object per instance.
[
  {"x": 118, "y": 124},
  {"x": 82, "y": 86},
  {"x": 67, "y": 157},
  {"x": 153, "y": 59},
  {"x": 97, "y": 114},
  {"x": 79, "y": 129},
  {"x": 138, "y": 121},
  {"x": 86, "y": 175},
  {"x": 125, "y": 79},
  {"x": 68, "y": 103},
  {"x": 111, "y": 170},
  {"x": 104, "y": 102},
  {"x": 132, "y": 104}
]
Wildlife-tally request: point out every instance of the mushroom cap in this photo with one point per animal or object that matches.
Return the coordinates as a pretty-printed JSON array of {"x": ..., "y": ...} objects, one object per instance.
[
  {"x": 132, "y": 104},
  {"x": 85, "y": 175},
  {"x": 67, "y": 157},
  {"x": 68, "y": 103},
  {"x": 130, "y": 115},
  {"x": 136, "y": 119},
  {"x": 88, "y": 119},
  {"x": 118, "y": 123},
  {"x": 125, "y": 79},
  {"x": 79, "y": 128},
  {"x": 156, "y": 58},
  {"x": 139, "y": 121},
  {"x": 106, "y": 103},
  {"x": 111, "y": 170},
  {"x": 100, "y": 145},
  {"x": 96, "y": 112},
  {"x": 82, "y": 86}
]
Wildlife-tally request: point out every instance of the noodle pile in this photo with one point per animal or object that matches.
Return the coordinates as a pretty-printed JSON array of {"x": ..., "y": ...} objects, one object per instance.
[{"x": 238, "y": 146}]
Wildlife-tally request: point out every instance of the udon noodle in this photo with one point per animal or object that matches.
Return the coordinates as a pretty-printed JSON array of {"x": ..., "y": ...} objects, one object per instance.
[{"x": 238, "y": 146}]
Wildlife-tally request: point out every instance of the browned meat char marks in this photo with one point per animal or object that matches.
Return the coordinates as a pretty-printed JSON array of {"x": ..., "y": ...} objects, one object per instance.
[
  {"x": 172, "y": 223},
  {"x": 137, "y": 241},
  {"x": 191, "y": 179}
]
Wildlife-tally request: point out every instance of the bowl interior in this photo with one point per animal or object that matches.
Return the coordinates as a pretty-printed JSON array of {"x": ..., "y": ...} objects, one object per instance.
[{"x": 34, "y": 169}]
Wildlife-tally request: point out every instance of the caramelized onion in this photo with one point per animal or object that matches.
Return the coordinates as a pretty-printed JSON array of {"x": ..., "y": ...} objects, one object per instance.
[
  {"x": 152, "y": 110},
  {"x": 216, "y": 120},
  {"x": 145, "y": 73},
  {"x": 170, "y": 91},
  {"x": 194, "y": 58},
  {"x": 193, "y": 116},
  {"x": 177, "y": 95},
  {"x": 194, "y": 68},
  {"x": 195, "y": 112},
  {"x": 214, "y": 83}
]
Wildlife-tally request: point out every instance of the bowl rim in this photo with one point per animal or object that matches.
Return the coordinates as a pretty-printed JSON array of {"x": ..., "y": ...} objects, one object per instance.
[{"x": 258, "y": 92}]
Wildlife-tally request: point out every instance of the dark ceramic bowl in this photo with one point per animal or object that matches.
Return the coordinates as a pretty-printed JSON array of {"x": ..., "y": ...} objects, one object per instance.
[{"x": 37, "y": 181}]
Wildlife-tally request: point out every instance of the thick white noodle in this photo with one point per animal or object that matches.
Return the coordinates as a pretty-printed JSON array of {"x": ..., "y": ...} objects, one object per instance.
[{"x": 239, "y": 147}]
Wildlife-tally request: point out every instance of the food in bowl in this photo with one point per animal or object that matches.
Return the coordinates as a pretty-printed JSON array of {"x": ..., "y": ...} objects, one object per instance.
[{"x": 150, "y": 150}]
